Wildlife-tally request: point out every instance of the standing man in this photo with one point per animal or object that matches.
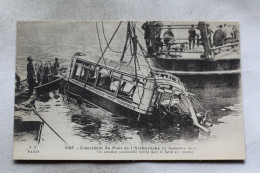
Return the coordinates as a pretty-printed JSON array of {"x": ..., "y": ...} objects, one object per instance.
[
  {"x": 30, "y": 75},
  {"x": 155, "y": 32},
  {"x": 192, "y": 36},
  {"x": 209, "y": 31},
  {"x": 56, "y": 66},
  {"x": 168, "y": 38},
  {"x": 235, "y": 33},
  {"x": 219, "y": 37},
  {"x": 226, "y": 32},
  {"x": 147, "y": 31}
]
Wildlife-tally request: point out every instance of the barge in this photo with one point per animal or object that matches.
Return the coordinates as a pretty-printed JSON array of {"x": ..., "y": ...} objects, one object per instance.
[{"x": 204, "y": 65}]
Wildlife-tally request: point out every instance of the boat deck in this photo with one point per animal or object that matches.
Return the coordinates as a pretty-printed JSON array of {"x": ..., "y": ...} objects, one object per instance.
[
  {"x": 195, "y": 56},
  {"x": 238, "y": 71}
]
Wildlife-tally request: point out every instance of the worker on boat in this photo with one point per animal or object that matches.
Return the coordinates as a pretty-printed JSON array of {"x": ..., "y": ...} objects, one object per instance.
[
  {"x": 146, "y": 29},
  {"x": 235, "y": 33},
  {"x": 168, "y": 38},
  {"x": 56, "y": 66},
  {"x": 158, "y": 42},
  {"x": 209, "y": 32},
  {"x": 192, "y": 36},
  {"x": 219, "y": 36},
  {"x": 39, "y": 72},
  {"x": 45, "y": 74},
  {"x": 50, "y": 72},
  {"x": 155, "y": 32},
  {"x": 228, "y": 30},
  {"x": 30, "y": 75}
]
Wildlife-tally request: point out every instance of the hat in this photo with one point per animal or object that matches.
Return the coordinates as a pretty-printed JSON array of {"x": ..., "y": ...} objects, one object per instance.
[
  {"x": 56, "y": 58},
  {"x": 220, "y": 26},
  {"x": 29, "y": 58},
  {"x": 192, "y": 25}
]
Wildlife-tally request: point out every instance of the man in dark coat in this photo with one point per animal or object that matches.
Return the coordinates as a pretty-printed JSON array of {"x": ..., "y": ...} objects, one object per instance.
[
  {"x": 56, "y": 66},
  {"x": 192, "y": 36},
  {"x": 219, "y": 36},
  {"x": 30, "y": 75},
  {"x": 147, "y": 36}
]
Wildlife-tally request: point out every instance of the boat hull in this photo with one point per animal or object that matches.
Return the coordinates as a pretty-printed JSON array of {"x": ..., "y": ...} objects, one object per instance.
[
  {"x": 202, "y": 80},
  {"x": 198, "y": 64},
  {"x": 53, "y": 85},
  {"x": 202, "y": 72}
]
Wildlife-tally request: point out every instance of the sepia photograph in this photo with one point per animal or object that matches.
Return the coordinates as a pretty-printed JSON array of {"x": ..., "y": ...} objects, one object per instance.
[{"x": 128, "y": 90}]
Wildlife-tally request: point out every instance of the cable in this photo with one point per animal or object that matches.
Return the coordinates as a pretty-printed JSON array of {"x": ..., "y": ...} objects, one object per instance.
[
  {"x": 103, "y": 53},
  {"x": 100, "y": 42},
  {"x": 103, "y": 29},
  {"x": 140, "y": 31}
]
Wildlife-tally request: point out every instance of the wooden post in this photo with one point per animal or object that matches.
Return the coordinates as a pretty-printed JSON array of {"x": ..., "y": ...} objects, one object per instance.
[{"x": 202, "y": 26}]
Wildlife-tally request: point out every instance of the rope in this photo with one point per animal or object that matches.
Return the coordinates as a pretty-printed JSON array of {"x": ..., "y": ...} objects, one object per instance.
[
  {"x": 143, "y": 50},
  {"x": 126, "y": 41},
  {"x": 140, "y": 31},
  {"x": 131, "y": 51},
  {"x": 103, "y": 29},
  {"x": 108, "y": 43},
  {"x": 99, "y": 42},
  {"x": 102, "y": 54}
]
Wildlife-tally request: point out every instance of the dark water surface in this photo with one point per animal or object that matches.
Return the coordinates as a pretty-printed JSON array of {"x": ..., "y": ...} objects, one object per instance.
[{"x": 92, "y": 124}]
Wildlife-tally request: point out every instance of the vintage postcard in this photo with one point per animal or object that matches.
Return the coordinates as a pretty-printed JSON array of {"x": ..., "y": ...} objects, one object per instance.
[{"x": 131, "y": 90}]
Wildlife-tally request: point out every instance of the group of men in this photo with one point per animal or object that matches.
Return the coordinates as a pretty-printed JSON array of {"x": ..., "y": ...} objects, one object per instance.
[
  {"x": 153, "y": 30},
  {"x": 220, "y": 37},
  {"x": 41, "y": 74}
]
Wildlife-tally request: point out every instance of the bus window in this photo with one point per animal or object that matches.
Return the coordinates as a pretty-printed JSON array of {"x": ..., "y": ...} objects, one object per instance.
[
  {"x": 77, "y": 70},
  {"x": 83, "y": 75},
  {"x": 114, "y": 84},
  {"x": 104, "y": 79},
  {"x": 147, "y": 94},
  {"x": 138, "y": 93},
  {"x": 92, "y": 75},
  {"x": 126, "y": 89}
]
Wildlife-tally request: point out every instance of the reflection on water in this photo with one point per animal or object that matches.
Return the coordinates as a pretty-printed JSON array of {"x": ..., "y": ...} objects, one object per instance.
[{"x": 92, "y": 124}]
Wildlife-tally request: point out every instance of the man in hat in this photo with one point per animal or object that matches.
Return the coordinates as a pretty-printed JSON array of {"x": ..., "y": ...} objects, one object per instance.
[
  {"x": 168, "y": 38},
  {"x": 30, "y": 75},
  {"x": 192, "y": 36},
  {"x": 56, "y": 66},
  {"x": 219, "y": 36},
  {"x": 146, "y": 29}
]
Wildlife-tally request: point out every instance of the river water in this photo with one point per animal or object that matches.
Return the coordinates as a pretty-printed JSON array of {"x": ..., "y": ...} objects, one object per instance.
[{"x": 85, "y": 123}]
